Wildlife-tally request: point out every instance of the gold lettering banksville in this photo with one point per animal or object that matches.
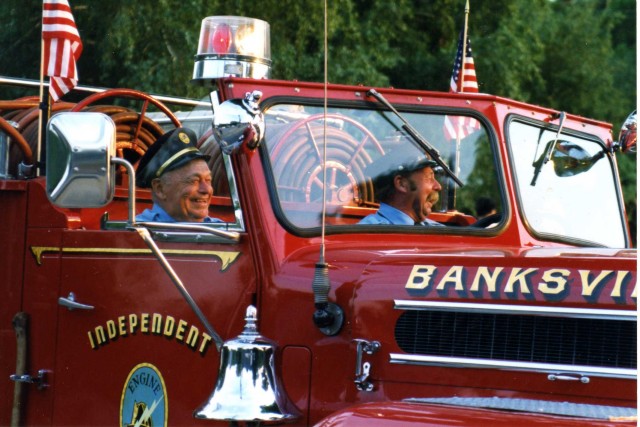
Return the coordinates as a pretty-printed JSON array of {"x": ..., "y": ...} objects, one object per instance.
[{"x": 551, "y": 284}]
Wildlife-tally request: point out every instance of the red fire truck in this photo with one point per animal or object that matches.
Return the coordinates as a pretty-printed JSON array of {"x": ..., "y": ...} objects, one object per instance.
[{"x": 290, "y": 310}]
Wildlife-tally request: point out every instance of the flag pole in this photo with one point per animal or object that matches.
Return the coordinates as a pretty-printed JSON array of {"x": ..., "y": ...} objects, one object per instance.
[
  {"x": 61, "y": 47},
  {"x": 464, "y": 45},
  {"x": 456, "y": 165},
  {"x": 41, "y": 107}
]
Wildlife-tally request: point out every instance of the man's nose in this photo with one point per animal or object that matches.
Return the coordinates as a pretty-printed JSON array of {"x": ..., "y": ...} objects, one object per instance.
[
  {"x": 205, "y": 187},
  {"x": 436, "y": 185}
]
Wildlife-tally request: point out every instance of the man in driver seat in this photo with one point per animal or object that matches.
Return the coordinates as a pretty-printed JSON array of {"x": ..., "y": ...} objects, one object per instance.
[
  {"x": 406, "y": 187},
  {"x": 179, "y": 178}
]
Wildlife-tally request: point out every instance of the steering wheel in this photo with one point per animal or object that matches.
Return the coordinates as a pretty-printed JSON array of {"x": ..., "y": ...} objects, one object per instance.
[
  {"x": 487, "y": 220},
  {"x": 128, "y": 93}
]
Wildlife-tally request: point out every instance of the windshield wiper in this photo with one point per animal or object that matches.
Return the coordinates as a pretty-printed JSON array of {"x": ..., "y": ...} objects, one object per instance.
[{"x": 423, "y": 143}]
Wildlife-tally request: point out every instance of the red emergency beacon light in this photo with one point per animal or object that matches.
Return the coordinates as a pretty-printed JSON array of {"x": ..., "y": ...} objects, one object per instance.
[{"x": 232, "y": 46}]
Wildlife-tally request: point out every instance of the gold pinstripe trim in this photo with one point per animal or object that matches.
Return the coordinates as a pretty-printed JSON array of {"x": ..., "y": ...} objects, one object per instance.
[{"x": 227, "y": 257}]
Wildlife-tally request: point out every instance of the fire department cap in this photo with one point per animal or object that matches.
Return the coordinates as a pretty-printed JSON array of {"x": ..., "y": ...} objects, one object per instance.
[
  {"x": 398, "y": 162},
  {"x": 172, "y": 150}
]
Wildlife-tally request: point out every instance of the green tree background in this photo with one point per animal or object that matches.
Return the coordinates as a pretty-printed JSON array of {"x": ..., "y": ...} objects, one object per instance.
[{"x": 573, "y": 55}]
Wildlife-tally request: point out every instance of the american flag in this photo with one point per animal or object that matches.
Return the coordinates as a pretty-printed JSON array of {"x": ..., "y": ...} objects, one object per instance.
[
  {"x": 463, "y": 79},
  {"x": 470, "y": 83},
  {"x": 62, "y": 47}
]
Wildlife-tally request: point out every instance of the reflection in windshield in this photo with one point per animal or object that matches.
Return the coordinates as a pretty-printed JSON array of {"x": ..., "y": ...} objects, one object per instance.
[
  {"x": 356, "y": 138},
  {"x": 576, "y": 197},
  {"x": 567, "y": 158},
  {"x": 570, "y": 159}
]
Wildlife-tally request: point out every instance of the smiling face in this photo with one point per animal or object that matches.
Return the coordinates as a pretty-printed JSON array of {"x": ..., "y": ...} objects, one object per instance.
[
  {"x": 416, "y": 193},
  {"x": 185, "y": 193},
  {"x": 425, "y": 192}
]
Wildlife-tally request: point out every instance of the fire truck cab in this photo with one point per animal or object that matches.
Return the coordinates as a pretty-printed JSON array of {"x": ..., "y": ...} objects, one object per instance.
[{"x": 290, "y": 310}]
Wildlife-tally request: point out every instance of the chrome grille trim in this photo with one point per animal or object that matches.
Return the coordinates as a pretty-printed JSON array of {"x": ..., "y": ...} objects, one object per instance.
[
  {"x": 582, "y": 313},
  {"x": 548, "y": 368}
]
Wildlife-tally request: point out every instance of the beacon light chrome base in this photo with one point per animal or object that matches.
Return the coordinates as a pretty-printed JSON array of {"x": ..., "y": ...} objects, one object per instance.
[
  {"x": 232, "y": 46},
  {"x": 209, "y": 68},
  {"x": 248, "y": 388}
]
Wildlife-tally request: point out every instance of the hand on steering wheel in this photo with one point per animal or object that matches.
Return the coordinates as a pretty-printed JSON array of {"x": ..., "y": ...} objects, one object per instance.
[{"x": 487, "y": 221}]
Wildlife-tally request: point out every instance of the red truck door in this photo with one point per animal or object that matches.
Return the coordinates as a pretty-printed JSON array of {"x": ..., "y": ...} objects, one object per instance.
[{"x": 139, "y": 346}]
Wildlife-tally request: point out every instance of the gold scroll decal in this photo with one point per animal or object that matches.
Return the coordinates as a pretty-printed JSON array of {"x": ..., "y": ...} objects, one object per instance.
[{"x": 227, "y": 257}]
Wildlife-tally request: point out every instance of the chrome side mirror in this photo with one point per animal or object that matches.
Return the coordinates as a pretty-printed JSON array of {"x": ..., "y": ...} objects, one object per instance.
[
  {"x": 80, "y": 146},
  {"x": 570, "y": 159},
  {"x": 627, "y": 140},
  {"x": 238, "y": 121}
]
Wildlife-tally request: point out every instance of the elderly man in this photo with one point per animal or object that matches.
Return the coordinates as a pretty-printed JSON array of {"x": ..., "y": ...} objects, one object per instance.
[
  {"x": 406, "y": 187},
  {"x": 179, "y": 178}
]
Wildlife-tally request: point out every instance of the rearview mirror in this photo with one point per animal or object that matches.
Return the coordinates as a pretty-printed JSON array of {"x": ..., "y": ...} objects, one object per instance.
[
  {"x": 570, "y": 159},
  {"x": 628, "y": 134},
  {"x": 80, "y": 173}
]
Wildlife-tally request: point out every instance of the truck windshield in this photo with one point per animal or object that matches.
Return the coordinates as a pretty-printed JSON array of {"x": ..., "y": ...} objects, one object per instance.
[
  {"x": 355, "y": 139},
  {"x": 572, "y": 196}
]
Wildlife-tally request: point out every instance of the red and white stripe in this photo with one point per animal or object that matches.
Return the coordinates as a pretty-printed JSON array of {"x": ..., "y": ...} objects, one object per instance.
[
  {"x": 62, "y": 47},
  {"x": 463, "y": 79},
  {"x": 470, "y": 81}
]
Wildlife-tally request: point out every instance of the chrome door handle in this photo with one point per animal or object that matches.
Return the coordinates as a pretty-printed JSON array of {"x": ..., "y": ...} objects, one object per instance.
[
  {"x": 568, "y": 377},
  {"x": 71, "y": 304}
]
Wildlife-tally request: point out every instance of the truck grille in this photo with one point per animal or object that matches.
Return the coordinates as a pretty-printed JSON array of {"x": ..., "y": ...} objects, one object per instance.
[{"x": 518, "y": 337}]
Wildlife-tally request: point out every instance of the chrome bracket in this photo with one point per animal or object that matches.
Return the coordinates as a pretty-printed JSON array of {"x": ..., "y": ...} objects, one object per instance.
[
  {"x": 362, "y": 369},
  {"x": 568, "y": 377},
  {"x": 40, "y": 381}
]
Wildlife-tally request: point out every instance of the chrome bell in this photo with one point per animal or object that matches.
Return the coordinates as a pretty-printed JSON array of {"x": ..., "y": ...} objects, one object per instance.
[{"x": 247, "y": 387}]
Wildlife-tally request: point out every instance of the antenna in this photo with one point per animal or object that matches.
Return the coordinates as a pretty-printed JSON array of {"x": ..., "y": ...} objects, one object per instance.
[{"x": 328, "y": 316}]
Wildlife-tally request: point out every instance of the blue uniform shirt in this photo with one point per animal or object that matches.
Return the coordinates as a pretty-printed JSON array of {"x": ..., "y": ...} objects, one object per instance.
[
  {"x": 157, "y": 214},
  {"x": 387, "y": 214}
]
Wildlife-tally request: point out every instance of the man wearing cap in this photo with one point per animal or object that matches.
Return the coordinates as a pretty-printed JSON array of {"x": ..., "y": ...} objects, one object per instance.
[
  {"x": 406, "y": 187},
  {"x": 179, "y": 178}
]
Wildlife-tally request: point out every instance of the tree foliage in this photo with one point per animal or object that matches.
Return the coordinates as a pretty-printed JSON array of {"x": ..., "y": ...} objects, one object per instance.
[{"x": 573, "y": 55}]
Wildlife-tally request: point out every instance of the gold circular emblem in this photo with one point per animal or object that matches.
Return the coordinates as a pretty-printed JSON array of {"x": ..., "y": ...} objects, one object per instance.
[{"x": 183, "y": 137}]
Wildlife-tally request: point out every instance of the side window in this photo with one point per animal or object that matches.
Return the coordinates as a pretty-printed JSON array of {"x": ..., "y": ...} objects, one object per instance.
[
  {"x": 225, "y": 203},
  {"x": 355, "y": 140},
  {"x": 573, "y": 195}
]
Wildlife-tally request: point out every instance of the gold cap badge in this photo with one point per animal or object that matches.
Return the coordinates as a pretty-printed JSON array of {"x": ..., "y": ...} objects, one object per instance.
[{"x": 183, "y": 137}]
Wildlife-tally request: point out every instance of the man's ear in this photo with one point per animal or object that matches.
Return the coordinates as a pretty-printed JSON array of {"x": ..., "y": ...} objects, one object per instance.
[
  {"x": 401, "y": 184},
  {"x": 158, "y": 189}
]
